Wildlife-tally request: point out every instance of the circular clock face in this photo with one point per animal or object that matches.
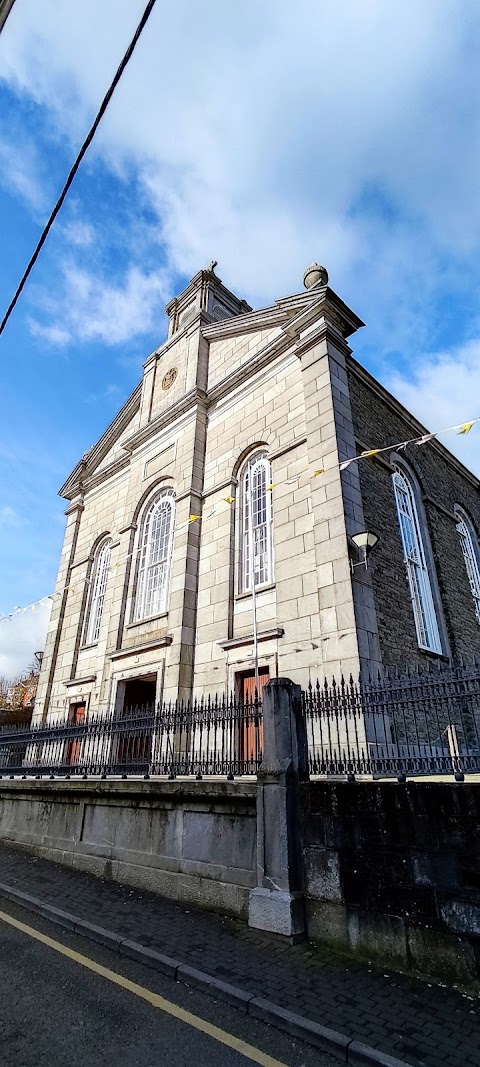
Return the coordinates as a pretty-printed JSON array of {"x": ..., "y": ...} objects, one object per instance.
[{"x": 169, "y": 378}]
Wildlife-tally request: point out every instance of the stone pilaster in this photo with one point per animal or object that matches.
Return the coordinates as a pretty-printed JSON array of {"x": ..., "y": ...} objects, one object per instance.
[
  {"x": 276, "y": 903},
  {"x": 348, "y": 633}
]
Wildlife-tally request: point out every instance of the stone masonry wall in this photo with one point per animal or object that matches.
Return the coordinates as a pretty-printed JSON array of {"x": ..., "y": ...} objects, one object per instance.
[
  {"x": 442, "y": 486},
  {"x": 392, "y": 873},
  {"x": 191, "y": 841}
]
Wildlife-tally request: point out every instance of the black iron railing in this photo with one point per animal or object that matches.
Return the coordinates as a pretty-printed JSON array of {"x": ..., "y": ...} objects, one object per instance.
[
  {"x": 219, "y": 736},
  {"x": 412, "y": 723}
]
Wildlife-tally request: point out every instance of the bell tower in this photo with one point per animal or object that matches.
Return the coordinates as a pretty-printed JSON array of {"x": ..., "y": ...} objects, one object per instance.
[{"x": 204, "y": 294}]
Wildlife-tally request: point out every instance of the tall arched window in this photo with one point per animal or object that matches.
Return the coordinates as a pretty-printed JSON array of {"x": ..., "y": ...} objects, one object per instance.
[
  {"x": 156, "y": 537},
  {"x": 470, "y": 555},
  {"x": 98, "y": 585},
  {"x": 414, "y": 556},
  {"x": 257, "y": 524}
]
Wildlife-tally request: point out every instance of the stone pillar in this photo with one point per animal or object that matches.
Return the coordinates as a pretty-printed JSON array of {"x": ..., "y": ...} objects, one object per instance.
[{"x": 277, "y": 904}]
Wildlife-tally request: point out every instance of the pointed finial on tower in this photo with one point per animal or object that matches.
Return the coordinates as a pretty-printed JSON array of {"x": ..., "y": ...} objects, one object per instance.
[{"x": 315, "y": 275}]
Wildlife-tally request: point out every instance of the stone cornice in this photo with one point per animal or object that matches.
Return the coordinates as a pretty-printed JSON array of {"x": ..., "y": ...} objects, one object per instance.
[
  {"x": 290, "y": 308},
  {"x": 191, "y": 399},
  {"x": 287, "y": 448},
  {"x": 325, "y": 331},
  {"x": 254, "y": 320},
  {"x": 91, "y": 460},
  {"x": 136, "y": 650},
  {"x": 75, "y": 682},
  {"x": 263, "y": 635},
  {"x": 102, "y": 475},
  {"x": 418, "y": 429},
  {"x": 77, "y": 505}
]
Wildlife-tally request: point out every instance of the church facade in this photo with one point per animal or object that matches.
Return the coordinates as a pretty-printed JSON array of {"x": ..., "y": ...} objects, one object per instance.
[{"x": 213, "y": 523}]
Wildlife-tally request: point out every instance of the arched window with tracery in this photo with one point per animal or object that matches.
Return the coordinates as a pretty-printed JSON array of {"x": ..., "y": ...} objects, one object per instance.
[
  {"x": 98, "y": 585},
  {"x": 256, "y": 542},
  {"x": 155, "y": 548},
  {"x": 469, "y": 546},
  {"x": 414, "y": 555}
]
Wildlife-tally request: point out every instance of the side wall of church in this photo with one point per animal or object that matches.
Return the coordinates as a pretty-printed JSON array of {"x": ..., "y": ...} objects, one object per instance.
[{"x": 442, "y": 486}]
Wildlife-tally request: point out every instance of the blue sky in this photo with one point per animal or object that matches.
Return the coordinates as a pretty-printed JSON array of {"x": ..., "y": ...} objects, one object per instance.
[{"x": 346, "y": 133}]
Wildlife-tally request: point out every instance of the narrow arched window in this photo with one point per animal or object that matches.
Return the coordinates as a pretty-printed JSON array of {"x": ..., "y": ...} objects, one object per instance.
[
  {"x": 470, "y": 555},
  {"x": 155, "y": 557},
  {"x": 256, "y": 547},
  {"x": 98, "y": 585},
  {"x": 414, "y": 556}
]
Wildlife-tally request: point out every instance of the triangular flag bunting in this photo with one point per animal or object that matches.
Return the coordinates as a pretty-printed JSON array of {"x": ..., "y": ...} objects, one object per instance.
[{"x": 467, "y": 426}]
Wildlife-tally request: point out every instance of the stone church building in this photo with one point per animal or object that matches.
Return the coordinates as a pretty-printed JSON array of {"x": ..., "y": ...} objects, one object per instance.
[{"x": 222, "y": 472}]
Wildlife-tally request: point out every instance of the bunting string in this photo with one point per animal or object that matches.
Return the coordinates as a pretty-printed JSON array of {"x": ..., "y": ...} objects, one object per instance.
[{"x": 462, "y": 428}]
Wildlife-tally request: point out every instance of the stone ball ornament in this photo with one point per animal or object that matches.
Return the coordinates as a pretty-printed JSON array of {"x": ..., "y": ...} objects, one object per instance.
[{"x": 315, "y": 274}]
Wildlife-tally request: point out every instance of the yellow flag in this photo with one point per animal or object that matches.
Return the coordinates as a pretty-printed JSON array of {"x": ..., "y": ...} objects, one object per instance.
[
  {"x": 193, "y": 518},
  {"x": 229, "y": 499},
  {"x": 467, "y": 426},
  {"x": 370, "y": 452},
  {"x": 271, "y": 486},
  {"x": 321, "y": 471}
]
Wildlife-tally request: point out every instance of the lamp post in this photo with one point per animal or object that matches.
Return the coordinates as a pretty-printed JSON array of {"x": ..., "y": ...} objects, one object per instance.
[
  {"x": 364, "y": 542},
  {"x": 252, "y": 572}
]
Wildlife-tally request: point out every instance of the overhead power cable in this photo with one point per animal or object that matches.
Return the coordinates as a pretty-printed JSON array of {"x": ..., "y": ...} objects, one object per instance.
[{"x": 86, "y": 144}]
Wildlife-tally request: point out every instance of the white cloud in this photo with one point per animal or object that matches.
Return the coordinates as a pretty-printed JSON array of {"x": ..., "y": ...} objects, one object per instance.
[
  {"x": 19, "y": 173},
  {"x": 257, "y": 135},
  {"x": 93, "y": 309},
  {"x": 21, "y": 635},
  {"x": 54, "y": 334},
  {"x": 267, "y": 138},
  {"x": 442, "y": 390},
  {"x": 79, "y": 233}
]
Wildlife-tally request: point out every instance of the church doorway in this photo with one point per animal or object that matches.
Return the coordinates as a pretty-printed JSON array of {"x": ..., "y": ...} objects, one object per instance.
[
  {"x": 134, "y": 746},
  {"x": 139, "y": 694}
]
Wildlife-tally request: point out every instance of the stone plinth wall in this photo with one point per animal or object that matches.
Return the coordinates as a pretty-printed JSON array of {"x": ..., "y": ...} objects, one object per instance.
[
  {"x": 393, "y": 873},
  {"x": 192, "y": 841}
]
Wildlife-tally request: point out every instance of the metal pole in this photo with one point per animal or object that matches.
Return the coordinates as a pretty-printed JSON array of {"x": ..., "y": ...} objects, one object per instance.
[{"x": 252, "y": 575}]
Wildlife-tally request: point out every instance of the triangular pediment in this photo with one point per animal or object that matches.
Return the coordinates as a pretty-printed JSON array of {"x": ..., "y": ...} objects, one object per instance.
[{"x": 108, "y": 449}]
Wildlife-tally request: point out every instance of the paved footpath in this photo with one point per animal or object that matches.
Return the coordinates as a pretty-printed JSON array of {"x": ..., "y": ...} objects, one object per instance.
[{"x": 419, "y": 1022}]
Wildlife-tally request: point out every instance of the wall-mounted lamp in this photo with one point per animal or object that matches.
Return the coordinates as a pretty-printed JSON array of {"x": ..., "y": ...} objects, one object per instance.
[{"x": 364, "y": 541}]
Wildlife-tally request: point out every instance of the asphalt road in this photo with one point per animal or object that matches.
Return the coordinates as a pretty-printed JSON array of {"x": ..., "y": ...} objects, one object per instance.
[{"x": 55, "y": 1011}]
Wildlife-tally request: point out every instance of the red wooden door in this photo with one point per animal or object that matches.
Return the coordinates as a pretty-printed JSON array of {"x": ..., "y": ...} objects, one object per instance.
[
  {"x": 252, "y": 734},
  {"x": 74, "y": 746}
]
